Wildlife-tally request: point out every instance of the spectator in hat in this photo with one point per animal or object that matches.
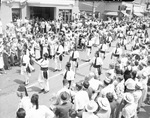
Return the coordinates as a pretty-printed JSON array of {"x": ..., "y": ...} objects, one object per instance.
[
  {"x": 90, "y": 108},
  {"x": 64, "y": 89},
  {"x": 108, "y": 88},
  {"x": 113, "y": 104},
  {"x": 129, "y": 110},
  {"x": 104, "y": 108},
  {"x": 24, "y": 98},
  {"x": 38, "y": 111},
  {"x": 62, "y": 110},
  {"x": 21, "y": 113},
  {"x": 88, "y": 89},
  {"x": 130, "y": 85}
]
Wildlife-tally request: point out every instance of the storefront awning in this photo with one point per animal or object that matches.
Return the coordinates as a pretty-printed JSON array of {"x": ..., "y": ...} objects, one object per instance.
[
  {"x": 124, "y": 13},
  {"x": 138, "y": 14},
  {"x": 50, "y": 2},
  {"x": 111, "y": 13}
]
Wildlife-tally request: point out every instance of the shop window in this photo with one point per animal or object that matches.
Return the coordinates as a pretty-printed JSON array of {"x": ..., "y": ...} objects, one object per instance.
[{"x": 16, "y": 13}]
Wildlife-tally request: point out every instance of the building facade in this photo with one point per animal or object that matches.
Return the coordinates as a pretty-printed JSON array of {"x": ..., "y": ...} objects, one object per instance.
[{"x": 47, "y": 9}]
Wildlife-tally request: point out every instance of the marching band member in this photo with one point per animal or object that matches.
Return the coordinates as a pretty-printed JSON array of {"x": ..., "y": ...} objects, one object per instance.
[
  {"x": 89, "y": 47},
  {"x": 102, "y": 49},
  {"x": 96, "y": 63},
  {"x": 44, "y": 74},
  {"x": 25, "y": 68},
  {"x": 69, "y": 74},
  {"x": 117, "y": 51},
  {"x": 58, "y": 56},
  {"x": 74, "y": 57}
]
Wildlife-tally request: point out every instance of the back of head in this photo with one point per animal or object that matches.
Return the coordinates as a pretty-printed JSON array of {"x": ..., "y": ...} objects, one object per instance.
[
  {"x": 34, "y": 100},
  {"x": 21, "y": 113}
]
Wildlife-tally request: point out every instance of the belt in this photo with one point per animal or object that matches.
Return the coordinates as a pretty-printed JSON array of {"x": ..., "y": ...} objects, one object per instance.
[
  {"x": 24, "y": 64},
  {"x": 102, "y": 51},
  {"x": 44, "y": 68},
  {"x": 89, "y": 47},
  {"x": 96, "y": 66},
  {"x": 74, "y": 59},
  {"x": 57, "y": 53},
  {"x": 116, "y": 55}
]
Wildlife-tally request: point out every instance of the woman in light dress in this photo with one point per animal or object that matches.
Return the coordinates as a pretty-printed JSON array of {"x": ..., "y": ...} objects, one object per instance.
[{"x": 37, "y": 50}]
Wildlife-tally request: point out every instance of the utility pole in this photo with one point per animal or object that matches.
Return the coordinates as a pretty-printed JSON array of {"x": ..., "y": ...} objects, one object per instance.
[{"x": 93, "y": 9}]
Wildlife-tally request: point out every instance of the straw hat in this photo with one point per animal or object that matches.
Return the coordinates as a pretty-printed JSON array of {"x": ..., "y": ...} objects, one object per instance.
[
  {"x": 103, "y": 103},
  {"x": 128, "y": 97},
  {"x": 130, "y": 84},
  {"x": 92, "y": 106},
  {"x": 64, "y": 96}
]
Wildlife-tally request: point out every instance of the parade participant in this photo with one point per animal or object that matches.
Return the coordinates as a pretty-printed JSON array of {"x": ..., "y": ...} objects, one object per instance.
[
  {"x": 74, "y": 58},
  {"x": 24, "y": 98},
  {"x": 25, "y": 68},
  {"x": 103, "y": 48},
  {"x": 44, "y": 74},
  {"x": 39, "y": 111},
  {"x": 37, "y": 50},
  {"x": 117, "y": 52},
  {"x": 58, "y": 56},
  {"x": 96, "y": 64},
  {"x": 109, "y": 39},
  {"x": 89, "y": 45},
  {"x": 69, "y": 74},
  {"x": 21, "y": 113}
]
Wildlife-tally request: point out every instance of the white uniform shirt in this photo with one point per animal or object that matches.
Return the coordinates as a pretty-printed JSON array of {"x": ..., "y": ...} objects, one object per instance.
[
  {"x": 60, "y": 49},
  {"x": 99, "y": 61},
  {"x": 119, "y": 51},
  {"x": 81, "y": 99},
  {"x": 103, "y": 47},
  {"x": 26, "y": 59},
  {"x": 75, "y": 55},
  {"x": 69, "y": 75},
  {"x": 44, "y": 63},
  {"x": 42, "y": 112}
]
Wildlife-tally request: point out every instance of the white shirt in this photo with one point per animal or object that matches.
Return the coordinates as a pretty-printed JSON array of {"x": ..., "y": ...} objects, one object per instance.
[
  {"x": 89, "y": 115},
  {"x": 42, "y": 112},
  {"x": 109, "y": 89},
  {"x": 75, "y": 55},
  {"x": 26, "y": 59},
  {"x": 25, "y": 103},
  {"x": 60, "y": 49},
  {"x": 103, "y": 47},
  {"x": 44, "y": 63},
  {"x": 118, "y": 51},
  {"x": 129, "y": 110},
  {"x": 69, "y": 75},
  {"x": 99, "y": 61},
  {"x": 81, "y": 99},
  {"x": 94, "y": 84}
]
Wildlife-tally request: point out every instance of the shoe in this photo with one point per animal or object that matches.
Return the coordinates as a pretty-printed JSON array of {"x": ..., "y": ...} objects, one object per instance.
[
  {"x": 41, "y": 91},
  {"x": 60, "y": 70},
  {"x": 46, "y": 92},
  {"x": 55, "y": 70}
]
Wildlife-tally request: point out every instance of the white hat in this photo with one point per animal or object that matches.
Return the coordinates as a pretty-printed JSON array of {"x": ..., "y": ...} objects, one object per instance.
[
  {"x": 92, "y": 106},
  {"x": 103, "y": 103},
  {"x": 130, "y": 84},
  {"x": 128, "y": 97}
]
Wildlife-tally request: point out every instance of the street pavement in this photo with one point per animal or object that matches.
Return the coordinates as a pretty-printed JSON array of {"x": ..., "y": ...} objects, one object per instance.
[{"x": 9, "y": 83}]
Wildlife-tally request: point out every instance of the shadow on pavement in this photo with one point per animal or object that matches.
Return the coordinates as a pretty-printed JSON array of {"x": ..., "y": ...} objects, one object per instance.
[
  {"x": 51, "y": 69},
  {"x": 18, "y": 71},
  {"x": 34, "y": 89},
  {"x": 145, "y": 113},
  {"x": 18, "y": 81}
]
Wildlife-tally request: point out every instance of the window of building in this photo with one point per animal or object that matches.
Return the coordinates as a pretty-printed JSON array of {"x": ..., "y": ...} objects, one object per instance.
[
  {"x": 16, "y": 13},
  {"x": 65, "y": 14}
]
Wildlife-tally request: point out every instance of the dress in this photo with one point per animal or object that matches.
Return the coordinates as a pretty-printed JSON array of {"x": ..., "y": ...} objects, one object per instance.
[{"x": 37, "y": 50}]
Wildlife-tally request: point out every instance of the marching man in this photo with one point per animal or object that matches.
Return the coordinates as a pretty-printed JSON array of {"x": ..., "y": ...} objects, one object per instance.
[
  {"x": 44, "y": 74},
  {"x": 96, "y": 64},
  {"x": 25, "y": 68},
  {"x": 102, "y": 48},
  {"x": 74, "y": 57},
  {"x": 58, "y": 57},
  {"x": 89, "y": 47}
]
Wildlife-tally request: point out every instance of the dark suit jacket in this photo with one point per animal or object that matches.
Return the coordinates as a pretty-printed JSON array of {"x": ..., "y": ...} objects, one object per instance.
[{"x": 62, "y": 111}]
